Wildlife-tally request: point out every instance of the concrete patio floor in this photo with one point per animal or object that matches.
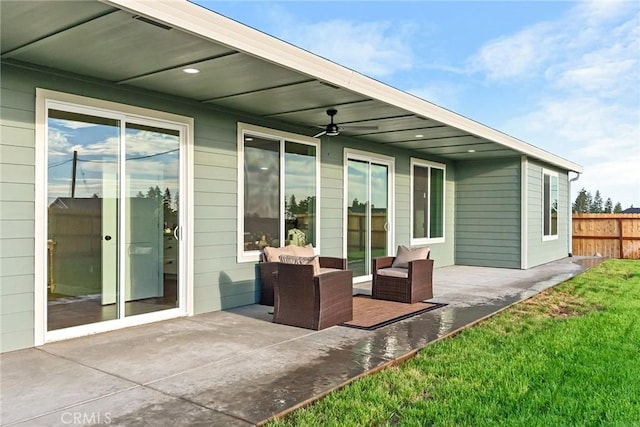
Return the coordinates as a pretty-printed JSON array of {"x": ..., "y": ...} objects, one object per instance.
[{"x": 235, "y": 367}]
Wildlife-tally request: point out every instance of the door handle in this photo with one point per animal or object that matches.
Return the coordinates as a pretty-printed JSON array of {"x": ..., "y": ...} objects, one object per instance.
[
  {"x": 175, "y": 233},
  {"x": 107, "y": 237},
  {"x": 386, "y": 226}
]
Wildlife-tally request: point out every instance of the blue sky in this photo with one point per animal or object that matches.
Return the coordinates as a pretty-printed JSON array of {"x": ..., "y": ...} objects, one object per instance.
[{"x": 561, "y": 75}]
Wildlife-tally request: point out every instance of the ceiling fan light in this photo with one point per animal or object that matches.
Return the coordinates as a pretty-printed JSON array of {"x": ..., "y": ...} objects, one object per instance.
[{"x": 333, "y": 130}]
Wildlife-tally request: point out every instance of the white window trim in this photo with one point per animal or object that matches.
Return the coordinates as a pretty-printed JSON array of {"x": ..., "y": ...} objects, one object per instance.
[
  {"x": 524, "y": 208},
  {"x": 546, "y": 238},
  {"x": 418, "y": 241},
  {"x": 259, "y": 131},
  {"x": 44, "y": 98}
]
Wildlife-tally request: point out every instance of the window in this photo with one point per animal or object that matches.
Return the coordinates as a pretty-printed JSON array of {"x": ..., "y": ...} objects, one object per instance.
[
  {"x": 427, "y": 202},
  {"x": 550, "y": 205},
  {"x": 278, "y": 189}
]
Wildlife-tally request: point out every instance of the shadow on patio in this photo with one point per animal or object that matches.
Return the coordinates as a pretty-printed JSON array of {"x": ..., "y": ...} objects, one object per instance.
[{"x": 235, "y": 367}]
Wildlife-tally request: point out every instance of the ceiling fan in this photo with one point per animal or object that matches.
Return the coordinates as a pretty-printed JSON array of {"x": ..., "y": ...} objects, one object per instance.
[{"x": 332, "y": 129}]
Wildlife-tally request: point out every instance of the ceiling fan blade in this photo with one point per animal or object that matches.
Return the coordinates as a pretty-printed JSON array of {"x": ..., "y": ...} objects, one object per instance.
[
  {"x": 355, "y": 127},
  {"x": 333, "y": 129}
]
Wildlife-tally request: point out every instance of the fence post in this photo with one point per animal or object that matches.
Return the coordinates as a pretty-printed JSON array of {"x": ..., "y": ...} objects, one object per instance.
[{"x": 621, "y": 238}]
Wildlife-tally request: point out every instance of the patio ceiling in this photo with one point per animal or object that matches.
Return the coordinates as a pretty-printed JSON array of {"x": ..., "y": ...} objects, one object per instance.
[{"x": 148, "y": 44}]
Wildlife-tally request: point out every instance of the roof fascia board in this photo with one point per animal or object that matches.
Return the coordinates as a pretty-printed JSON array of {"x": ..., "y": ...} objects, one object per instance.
[{"x": 199, "y": 21}]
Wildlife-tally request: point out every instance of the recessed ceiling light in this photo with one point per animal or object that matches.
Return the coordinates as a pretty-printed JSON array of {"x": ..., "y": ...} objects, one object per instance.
[
  {"x": 419, "y": 136},
  {"x": 248, "y": 138},
  {"x": 191, "y": 70},
  {"x": 471, "y": 151},
  {"x": 264, "y": 168}
]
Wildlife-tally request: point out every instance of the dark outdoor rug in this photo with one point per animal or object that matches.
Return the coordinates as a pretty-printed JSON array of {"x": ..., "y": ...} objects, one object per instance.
[{"x": 371, "y": 314}]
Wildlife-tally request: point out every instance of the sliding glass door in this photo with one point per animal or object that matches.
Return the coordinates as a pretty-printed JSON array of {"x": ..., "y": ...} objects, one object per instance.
[
  {"x": 368, "y": 214},
  {"x": 82, "y": 239},
  {"x": 113, "y": 216},
  {"x": 151, "y": 218}
]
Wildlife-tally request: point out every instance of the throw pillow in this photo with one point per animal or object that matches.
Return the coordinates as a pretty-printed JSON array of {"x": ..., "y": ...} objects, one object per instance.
[
  {"x": 405, "y": 255},
  {"x": 304, "y": 251},
  {"x": 273, "y": 254},
  {"x": 292, "y": 259}
]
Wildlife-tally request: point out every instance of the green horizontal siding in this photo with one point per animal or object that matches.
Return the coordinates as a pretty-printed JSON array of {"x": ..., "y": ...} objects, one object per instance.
[
  {"x": 488, "y": 213},
  {"x": 331, "y": 200},
  {"x": 219, "y": 280},
  {"x": 539, "y": 251},
  {"x": 17, "y": 214}
]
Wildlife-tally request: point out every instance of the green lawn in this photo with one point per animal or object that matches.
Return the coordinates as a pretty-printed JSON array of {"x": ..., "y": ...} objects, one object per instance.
[{"x": 570, "y": 356}]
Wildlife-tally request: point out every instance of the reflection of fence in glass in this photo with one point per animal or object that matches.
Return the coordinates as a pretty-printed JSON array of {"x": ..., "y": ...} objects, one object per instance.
[
  {"x": 75, "y": 249},
  {"x": 358, "y": 233}
]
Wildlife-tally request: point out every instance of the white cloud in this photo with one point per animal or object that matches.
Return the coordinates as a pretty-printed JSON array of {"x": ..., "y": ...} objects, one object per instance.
[
  {"x": 139, "y": 144},
  {"x": 58, "y": 143},
  {"x": 591, "y": 35},
  {"x": 607, "y": 67},
  {"x": 582, "y": 124},
  {"x": 618, "y": 180},
  {"x": 586, "y": 70},
  {"x": 376, "y": 49},
  {"x": 522, "y": 54},
  {"x": 443, "y": 94},
  {"x": 71, "y": 124},
  {"x": 601, "y": 11}
]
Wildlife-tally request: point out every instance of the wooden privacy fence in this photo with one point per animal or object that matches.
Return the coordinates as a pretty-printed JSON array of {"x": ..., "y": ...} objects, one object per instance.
[{"x": 610, "y": 235}]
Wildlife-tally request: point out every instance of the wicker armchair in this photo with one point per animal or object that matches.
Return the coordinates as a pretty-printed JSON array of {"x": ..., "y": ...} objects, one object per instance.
[
  {"x": 312, "y": 302},
  {"x": 410, "y": 285},
  {"x": 268, "y": 268}
]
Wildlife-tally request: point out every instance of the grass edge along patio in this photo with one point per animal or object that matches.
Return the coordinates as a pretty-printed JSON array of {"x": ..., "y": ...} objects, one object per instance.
[{"x": 569, "y": 355}]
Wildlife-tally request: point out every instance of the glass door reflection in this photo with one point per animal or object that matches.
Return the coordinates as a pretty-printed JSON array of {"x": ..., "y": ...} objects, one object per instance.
[
  {"x": 367, "y": 214},
  {"x": 113, "y": 218},
  {"x": 151, "y": 218},
  {"x": 82, "y": 232},
  {"x": 358, "y": 217}
]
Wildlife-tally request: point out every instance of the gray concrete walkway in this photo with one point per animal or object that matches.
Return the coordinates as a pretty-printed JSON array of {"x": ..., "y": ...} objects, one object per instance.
[{"x": 235, "y": 367}]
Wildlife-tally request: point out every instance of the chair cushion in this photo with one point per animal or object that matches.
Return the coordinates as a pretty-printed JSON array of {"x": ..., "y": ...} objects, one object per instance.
[
  {"x": 327, "y": 270},
  {"x": 406, "y": 255},
  {"x": 300, "y": 260},
  {"x": 394, "y": 272}
]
